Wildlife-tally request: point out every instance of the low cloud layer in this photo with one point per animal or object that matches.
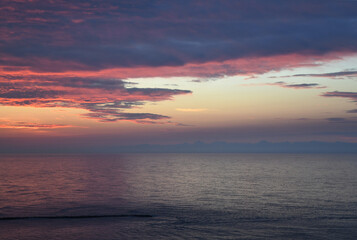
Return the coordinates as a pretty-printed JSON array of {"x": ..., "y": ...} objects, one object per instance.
[
  {"x": 340, "y": 74},
  {"x": 105, "y": 99},
  {"x": 289, "y": 85},
  {"x": 28, "y": 125},
  {"x": 350, "y": 95},
  {"x": 331, "y": 74},
  {"x": 297, "y": 85},
  {"x": 352, "y": 111}
]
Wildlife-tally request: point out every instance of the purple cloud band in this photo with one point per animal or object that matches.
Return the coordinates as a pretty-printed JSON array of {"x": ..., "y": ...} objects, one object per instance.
[{"x": 76, "y": 35}]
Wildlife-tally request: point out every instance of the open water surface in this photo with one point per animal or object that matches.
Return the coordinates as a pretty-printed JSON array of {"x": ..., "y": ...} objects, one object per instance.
[{"x": 178, "y": 196}]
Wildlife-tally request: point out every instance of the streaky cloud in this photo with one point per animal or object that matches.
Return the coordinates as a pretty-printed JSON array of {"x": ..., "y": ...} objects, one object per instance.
[
  {"x": 335, "y": 119},
  {"x": 289, "y": 85},
  {"x": 352, "y": 111},
  {"x": 324, "y": 75},
  {"x": 104, "y": 98},
  {"x": 28, "y": 125},
  {"x": 331, "y": 74},
  {"x": 349, "y": 95}
]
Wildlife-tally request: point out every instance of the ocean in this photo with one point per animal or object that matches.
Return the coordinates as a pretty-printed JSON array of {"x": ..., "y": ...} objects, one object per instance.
[{"x": 178, "y": 196}]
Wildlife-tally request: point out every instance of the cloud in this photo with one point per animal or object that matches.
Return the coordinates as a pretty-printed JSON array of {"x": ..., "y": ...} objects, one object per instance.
[
  {"x": 352, "y": 111},
  {"x": 303, "y": 119},
  {"x": 335, "y": 119},
  {"x": 330, "y": 74},
  {"x": 114, "y": 115},
  {"x": 27, "y": 125},
  {"x": 75, "y": 35},
  {"x": 29, "y": 93},
  {"x": 341, "y": 120},
  {"x": 287, "y": 85},
  {"x": 105, "y": 99},
  {"x": 350, "y": 95},
  {"x": 300, "y": 85},
  {"x": 76, "y": 54}
]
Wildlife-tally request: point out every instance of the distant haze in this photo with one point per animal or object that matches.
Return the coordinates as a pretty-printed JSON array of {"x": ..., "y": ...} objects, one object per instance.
[{"x": 197, "y": 147}]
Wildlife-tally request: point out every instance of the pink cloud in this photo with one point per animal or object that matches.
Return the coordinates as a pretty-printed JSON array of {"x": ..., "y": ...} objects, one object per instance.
[
  {"x": 35, "y": 126},
  {"x": 105, "y": 99}
]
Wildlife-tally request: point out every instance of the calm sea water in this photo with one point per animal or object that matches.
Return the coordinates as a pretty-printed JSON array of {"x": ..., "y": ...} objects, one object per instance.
[{"x": 189, "y": 196}]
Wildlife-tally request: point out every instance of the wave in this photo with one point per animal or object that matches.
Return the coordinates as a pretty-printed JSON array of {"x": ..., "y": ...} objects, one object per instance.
[{"x": 81, "y": 216}]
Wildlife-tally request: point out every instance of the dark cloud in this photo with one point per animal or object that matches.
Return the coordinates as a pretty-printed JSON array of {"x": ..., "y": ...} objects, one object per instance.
[
  {"x": 352, "y": 111},
  {"x": 76, "y": 82},
  {"x": 67, "y": 35},
  {"x": 332, "y": 74},
  {"x": 350, "y": 95},
  {"x": 336, "y": 119},
  {"x": 29, "y": 93},
  {"x": 111, "y": 112},
  {"x": 105, "y": 99},
  {"x": 114, "y": 115},
  {"x": 302, "y": 85},
  {"x": 159, "y": 93},
  {"x": 296, "y": 86},
  {"x": 342, "y": 120}
]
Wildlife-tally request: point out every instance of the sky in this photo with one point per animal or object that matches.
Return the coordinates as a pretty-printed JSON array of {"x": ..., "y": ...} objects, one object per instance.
[{"x": 110, "y": 73}]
